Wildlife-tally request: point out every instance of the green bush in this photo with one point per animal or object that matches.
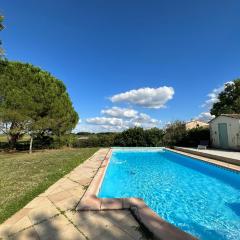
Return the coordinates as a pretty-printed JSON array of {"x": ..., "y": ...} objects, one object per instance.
[
  {"x": 195, "y": 136},
  {"x": 154, "y": 137},
  {"x": 174, "y": 134},
  {"x": 138, "y": 137},
  {"x": 133, "y": 137},
  {"x": 177, "y": 135}
]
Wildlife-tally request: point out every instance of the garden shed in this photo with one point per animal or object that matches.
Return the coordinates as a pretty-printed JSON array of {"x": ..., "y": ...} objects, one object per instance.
[{"x": 225, "y": 131}]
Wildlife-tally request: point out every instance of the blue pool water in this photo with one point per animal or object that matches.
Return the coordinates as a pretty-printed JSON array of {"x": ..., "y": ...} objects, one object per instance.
[{"x": 197, "y": 197}]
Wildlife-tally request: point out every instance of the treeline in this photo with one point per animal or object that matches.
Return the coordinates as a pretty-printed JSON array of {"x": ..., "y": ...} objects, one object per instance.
[{"x": 175, "y": 134}]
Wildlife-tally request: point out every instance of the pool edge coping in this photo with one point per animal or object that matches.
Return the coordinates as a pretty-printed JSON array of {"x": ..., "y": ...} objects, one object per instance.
[
  {"x": 206, "y": 159},
  {"x": 159, "y": 228}
]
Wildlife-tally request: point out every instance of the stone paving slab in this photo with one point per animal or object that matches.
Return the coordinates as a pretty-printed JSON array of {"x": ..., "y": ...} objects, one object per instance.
[
  {"x": 29, "y": 234},
  {"x": 107, "y": 224},
  {"x": 57, "y": 228},
  {"x": 52, "y": 215}
]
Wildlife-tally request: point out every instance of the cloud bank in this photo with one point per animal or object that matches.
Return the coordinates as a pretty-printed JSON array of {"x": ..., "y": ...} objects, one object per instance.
[
  {"x": 120, "y": 112},
  {"x": 212, "y": 98},
  {"x": 146, "y": 97},
  {"x": 205, "y": 116},
  {"x": 119, "y": 119},
  {"x": 123, "y": 119}
]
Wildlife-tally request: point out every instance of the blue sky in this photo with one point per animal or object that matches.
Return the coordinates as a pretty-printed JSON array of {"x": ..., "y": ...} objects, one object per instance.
[{"x": 163, "y": 57}]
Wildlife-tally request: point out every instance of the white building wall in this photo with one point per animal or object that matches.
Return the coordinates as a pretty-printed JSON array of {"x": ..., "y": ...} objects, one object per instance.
[
  {"x": 195, "y": 124},
  {"x": 233, "y": 128}
]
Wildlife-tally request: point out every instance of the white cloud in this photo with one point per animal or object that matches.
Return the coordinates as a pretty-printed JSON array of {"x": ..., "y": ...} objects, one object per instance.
[
  {"x": 78, "y": 126},
  {"x": 146, "y": 97},
  {"x": 105, "y": 121},
  {"x": 144, "y": 118},
  {"x": 205, "y": 117},
  {"x": 119, "y": 119},
  {"x": 207, "y": 105},
  {"x": 109, "y": 128},
  {"x": 213, "y": 96},
  {"x": 120, "y": 112},
  {"x": 144, "y": 125},
  {"x": 120, "y": 124},
  {"x": 81, "y": 127}
]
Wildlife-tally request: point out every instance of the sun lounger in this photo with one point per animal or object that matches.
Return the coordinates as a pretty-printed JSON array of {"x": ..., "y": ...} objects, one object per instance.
[{"x": 203, "y": 144}]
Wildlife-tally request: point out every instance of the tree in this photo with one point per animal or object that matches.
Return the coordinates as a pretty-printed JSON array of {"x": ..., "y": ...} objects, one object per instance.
[
  {"x": 133, "y": 137},
  {"x": 229, "y": 99},
  {"x": 174, "y": 133},
  {"x": 154, "y": 137},
  {"x": 195, "y": 135},
  {"x": 32, "y": 101}
]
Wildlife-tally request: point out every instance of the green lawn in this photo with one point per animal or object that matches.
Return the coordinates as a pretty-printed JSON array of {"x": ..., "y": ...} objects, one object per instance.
[
  {"x": 23, "y": 176},
  {"x": 3, "y": 138}
]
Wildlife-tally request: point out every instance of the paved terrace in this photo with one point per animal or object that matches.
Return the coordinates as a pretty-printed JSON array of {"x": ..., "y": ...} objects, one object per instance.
[
  {"x": 52, "y": 215},
  {"x": 231, "y": 157},
  {"x": 218, "y": 152}
]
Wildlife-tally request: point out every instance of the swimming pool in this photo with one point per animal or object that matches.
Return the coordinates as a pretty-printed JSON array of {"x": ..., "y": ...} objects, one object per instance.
[{"x": 199, "y": 198}]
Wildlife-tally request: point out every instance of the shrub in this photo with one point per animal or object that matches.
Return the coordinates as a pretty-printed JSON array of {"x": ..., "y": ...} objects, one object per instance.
[
  {"x": 175, "y": 134},
  {"x": 133, "y": 137},
  {"x": 154, "y": 137},
  {"x": 195, "y": 136}
]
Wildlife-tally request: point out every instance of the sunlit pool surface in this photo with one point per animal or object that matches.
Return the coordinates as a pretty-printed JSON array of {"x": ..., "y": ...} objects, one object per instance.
[{"x": 197, "y": 197}]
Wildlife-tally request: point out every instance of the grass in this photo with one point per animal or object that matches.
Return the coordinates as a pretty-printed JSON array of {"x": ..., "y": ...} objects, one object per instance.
[
  {"x": 3, "y": 138},
  {"x": 23, "y": 176}
]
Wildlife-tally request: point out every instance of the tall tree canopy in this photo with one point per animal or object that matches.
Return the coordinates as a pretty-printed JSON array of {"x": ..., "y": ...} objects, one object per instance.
[
  {"x": 33, "y": 101},
  {"x": 229, "y": 99}
]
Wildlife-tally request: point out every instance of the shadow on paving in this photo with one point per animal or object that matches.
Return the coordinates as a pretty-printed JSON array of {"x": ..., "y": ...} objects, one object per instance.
[
  {"x": 108, "y": 224},
  {"x": 97, "y": 225}
]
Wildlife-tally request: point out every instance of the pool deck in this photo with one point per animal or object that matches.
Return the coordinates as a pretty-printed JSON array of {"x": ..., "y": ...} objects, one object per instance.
[
  {"x": 70, "y": 209},
  {"x": 223, "y": 158}
]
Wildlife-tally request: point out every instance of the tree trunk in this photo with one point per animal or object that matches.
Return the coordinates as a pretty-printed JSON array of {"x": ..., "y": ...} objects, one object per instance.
[
  {"x": 13, "y": 138},
  {"x": 30, "y": 144},
  {"x": 14, "y": 135}
]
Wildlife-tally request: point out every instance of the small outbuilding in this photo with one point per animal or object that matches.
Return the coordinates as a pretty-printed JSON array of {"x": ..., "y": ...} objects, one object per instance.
[{"x": 225, "y": 131}]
